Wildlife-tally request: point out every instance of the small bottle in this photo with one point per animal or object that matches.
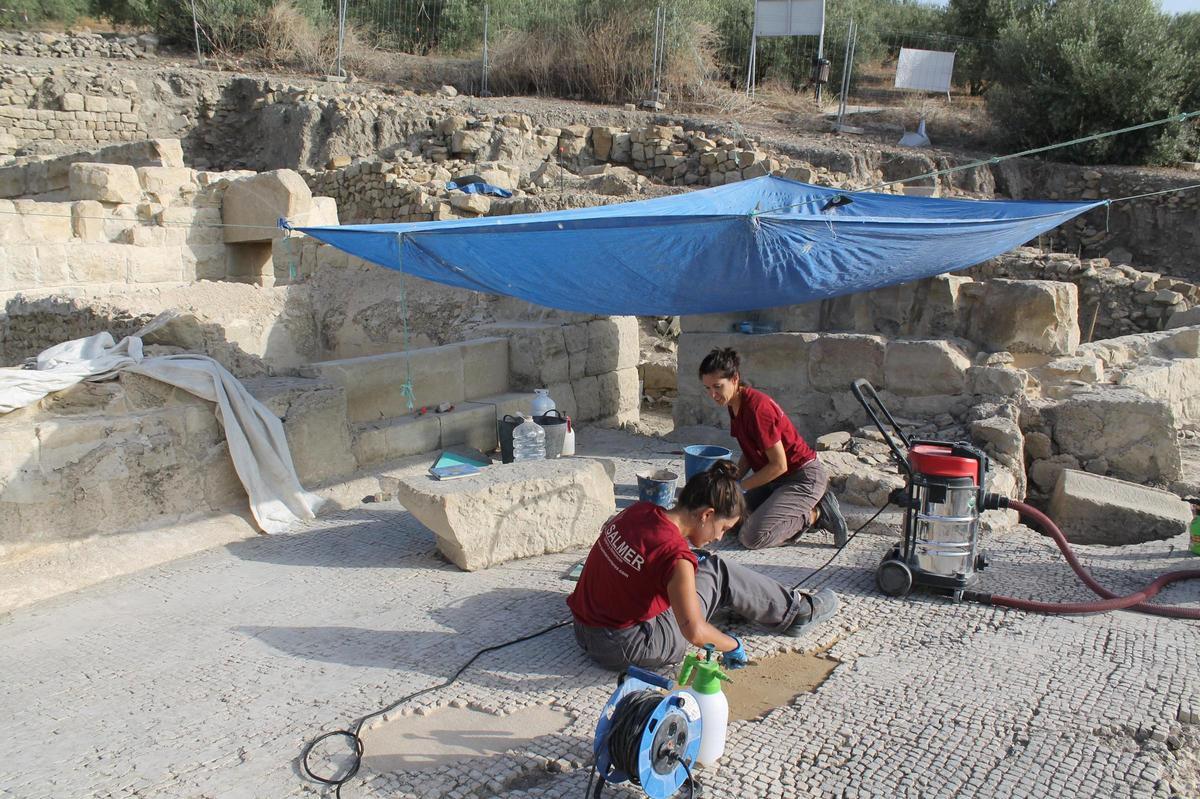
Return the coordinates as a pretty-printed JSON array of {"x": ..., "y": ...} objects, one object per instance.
[
  {"x": 529, "y": 441},
  {"x": 568, "y": 447},
  {"x": 706, "y": 678},
  {"x": 543, "y": 403},
  {"x": 1194, "y": 529}
]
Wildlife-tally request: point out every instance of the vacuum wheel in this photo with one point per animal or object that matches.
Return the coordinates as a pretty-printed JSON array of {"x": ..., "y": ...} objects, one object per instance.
[{"x": 894, "y": 578}]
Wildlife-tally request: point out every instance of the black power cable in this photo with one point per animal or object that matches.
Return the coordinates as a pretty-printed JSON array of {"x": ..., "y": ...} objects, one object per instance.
[
  {"x": 353, "y": 733},
  {"x": 838, "y": 551},
  {"x": 356, "y": 728}
]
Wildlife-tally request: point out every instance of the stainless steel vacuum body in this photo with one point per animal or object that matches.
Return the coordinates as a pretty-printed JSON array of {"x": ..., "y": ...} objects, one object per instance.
[{"x": 943, "y": 498}]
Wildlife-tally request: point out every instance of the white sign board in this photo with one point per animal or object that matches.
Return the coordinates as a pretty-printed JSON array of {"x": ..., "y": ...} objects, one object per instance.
[
  {"x": 789, "y": 17},
  {"x": 924, "y": 70}
]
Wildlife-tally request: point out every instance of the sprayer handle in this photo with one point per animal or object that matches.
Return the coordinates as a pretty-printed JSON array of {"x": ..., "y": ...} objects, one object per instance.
[{"x": 649, "y": 677}]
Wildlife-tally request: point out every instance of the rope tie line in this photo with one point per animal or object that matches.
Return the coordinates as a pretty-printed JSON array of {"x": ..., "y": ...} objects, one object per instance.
[{"x": 406, "y": 388}]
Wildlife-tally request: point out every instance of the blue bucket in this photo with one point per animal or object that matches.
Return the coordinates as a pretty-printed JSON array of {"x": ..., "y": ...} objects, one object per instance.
[
  {"x": 700, "y": 458},
  {"x": 658, "y": 487}
]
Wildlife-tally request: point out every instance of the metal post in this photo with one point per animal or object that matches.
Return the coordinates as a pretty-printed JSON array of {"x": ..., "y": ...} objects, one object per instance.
[
  {"x": 196, "y": 31},
  {"x": 753, "y": 48},
  {"x": 341, "y": 38},
  {"x": 484, "y": 91},
  {"x": 851, "y": 40},
  {"x": 820, "y": 53}
]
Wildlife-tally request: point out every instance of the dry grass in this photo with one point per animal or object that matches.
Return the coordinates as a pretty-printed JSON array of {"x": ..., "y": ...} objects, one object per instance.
[{"x": 607, "y": 61}]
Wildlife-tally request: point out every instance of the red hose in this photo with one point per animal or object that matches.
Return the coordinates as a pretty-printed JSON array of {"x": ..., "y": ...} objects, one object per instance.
[{"x": 1135, "y": 601}]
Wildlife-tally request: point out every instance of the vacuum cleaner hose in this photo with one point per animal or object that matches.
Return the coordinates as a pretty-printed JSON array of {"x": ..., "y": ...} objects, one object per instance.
[{"x": 1136, "y": 601}]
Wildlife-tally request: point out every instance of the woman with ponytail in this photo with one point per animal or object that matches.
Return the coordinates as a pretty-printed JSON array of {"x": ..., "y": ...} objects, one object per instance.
[
  {"x": 786, "y": 485},
  {"x": 648, "y": 590}
]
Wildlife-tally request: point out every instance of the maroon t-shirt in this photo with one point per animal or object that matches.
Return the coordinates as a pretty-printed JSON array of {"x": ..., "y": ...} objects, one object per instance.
[
  {"x": 624, "y": 579},
  {"x": 759, "y": 424}
]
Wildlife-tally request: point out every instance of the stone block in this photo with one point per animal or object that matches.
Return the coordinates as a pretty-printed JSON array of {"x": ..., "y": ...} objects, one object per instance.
[
  {"x": 379, "y": 442},
  {"x": 1091, "y": 509},
  {"x": 314, "y": 421},
  {"x": 470, "y": 425},
  {"x": 612, "y": 344},
  {"x": 155, "y": 265},
  {"x": 1087, "y": 368},
  {"x": 915, "y": 368},
  {"x": 1135, "y": 433},
  {"x": 474, "y": 203},
  {"x": 87, "y": 220},
  {"x": 373, "y": 383},
  {"x": 996, "y": 381},
  {"x": 45, "y": 222},
  {"x": 537, "y": 354},
  {"x": 168, "y": 185},
  {"x": 1184, "y": 344},
  {"x": 107, "y": 183},
  {"x": 836, "y": 360},
  {"x": 485, "y": 367},
  {"x": 1185, "y": 318},
  {"x": 1174, "y": 382},
  {"x": 324, "y": 212},
  {"x": 98, "y": 263},
  {"x": 256, "y": 204},
  {"x": 52, "y": 265},
  {"x": 205, "y": 262},
  {"x": 510, "y": 511},
  {"x": 1026, "y": 316},
  {"x": 18, "y": 267}
]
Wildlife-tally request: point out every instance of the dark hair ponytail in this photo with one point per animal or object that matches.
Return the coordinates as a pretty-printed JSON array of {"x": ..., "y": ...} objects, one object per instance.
[
  {"x": 716, "y": 488},
  {"x": 724, "y": 362}
]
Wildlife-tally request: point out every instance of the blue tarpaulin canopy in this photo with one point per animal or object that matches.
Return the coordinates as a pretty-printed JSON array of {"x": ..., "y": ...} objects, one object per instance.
[{"x": 754, "y": 244}]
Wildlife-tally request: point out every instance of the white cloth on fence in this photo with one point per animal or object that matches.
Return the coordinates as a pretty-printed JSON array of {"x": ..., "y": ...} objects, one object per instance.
[{"x": 257, "y": 444}]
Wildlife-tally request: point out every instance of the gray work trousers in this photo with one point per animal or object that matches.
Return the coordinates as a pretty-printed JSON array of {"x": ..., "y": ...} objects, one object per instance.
[
  {"x": 720, "y": 584},
  {"x": 779, "y": 510}
]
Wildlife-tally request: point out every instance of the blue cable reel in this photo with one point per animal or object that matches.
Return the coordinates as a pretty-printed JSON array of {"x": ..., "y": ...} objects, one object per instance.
[{"x": 648, "y": 737}]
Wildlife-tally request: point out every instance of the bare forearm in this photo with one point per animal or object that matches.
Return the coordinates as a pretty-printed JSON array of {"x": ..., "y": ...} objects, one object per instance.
[
  {"x": 743, "y": 467},
  {"x": 763, "y": 476},
  {"x": 704, "y": 633}
]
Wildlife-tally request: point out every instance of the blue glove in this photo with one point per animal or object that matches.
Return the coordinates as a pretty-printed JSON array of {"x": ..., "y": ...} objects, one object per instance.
[{"x": 735, "y": 658}]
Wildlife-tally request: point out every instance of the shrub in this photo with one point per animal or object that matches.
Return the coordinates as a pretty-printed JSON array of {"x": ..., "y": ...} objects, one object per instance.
[
  {"x": 1083, "y": 68},
  {"x": 19, "y": 13}
]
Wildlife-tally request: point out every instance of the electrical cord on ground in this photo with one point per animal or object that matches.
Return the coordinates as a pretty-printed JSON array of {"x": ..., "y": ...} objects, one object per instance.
[
  {"x": 356, "y": 728},
  {"x": 838, "y": 551}
]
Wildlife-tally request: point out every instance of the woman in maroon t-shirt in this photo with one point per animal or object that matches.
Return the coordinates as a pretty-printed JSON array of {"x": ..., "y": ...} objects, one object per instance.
[
  {"x": 645, "y": 594},
  {"x": 787, "y": 490}
]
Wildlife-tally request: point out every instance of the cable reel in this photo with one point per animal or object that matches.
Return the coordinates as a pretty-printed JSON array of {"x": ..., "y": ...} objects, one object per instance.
[{"x": 648, "y": 737}]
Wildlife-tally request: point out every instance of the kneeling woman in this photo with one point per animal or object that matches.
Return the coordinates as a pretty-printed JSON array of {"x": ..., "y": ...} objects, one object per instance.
[
  {"x": 788, "y": 491},
  {"x": 645, "y": 594}
]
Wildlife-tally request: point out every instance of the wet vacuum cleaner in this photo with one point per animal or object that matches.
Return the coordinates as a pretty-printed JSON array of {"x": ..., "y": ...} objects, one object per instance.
[{"x": 942, "y": 500}]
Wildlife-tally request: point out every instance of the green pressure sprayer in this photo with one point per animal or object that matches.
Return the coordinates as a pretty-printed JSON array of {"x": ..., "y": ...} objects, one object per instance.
[{"x": 706, "y": 677}]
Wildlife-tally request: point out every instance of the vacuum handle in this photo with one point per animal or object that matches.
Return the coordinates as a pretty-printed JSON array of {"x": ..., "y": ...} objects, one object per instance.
[{"x": 862, "y": 388}]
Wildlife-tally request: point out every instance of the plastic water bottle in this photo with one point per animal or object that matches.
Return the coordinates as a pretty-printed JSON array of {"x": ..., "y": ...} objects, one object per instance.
[
  {"x": 706, "y": 676},
  {"x": 1194, "y": 529},
  {"x": 529, "y": 441},
  {"x": 543, "y": 403}
]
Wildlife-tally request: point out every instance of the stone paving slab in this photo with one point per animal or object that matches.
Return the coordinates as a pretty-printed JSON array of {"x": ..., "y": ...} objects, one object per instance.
[{"x": 205, "y": 677}]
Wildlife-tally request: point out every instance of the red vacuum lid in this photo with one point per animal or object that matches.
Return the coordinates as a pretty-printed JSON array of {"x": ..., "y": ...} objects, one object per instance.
[{"x": 941, "y": 462}]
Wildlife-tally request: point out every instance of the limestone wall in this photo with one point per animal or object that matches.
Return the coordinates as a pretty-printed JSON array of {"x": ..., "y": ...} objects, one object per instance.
[
  {"x": 99, "y": 112},
  {"x": 1114, "y": 299}
]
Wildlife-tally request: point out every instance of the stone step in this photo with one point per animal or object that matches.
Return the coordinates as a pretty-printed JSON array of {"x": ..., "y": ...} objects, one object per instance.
[
  {"x": 1091, "y": 509},
  {"x": 471, "y": 423},
  {"x": 468, "y": 370}
]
